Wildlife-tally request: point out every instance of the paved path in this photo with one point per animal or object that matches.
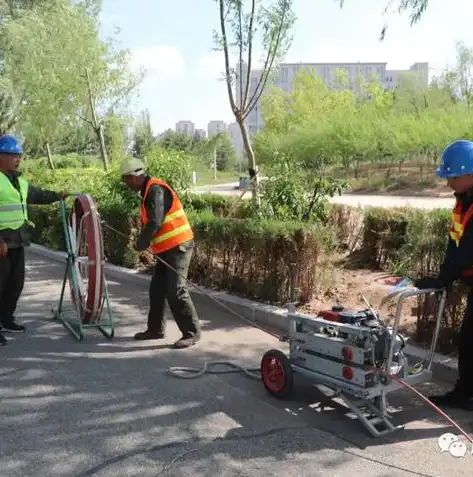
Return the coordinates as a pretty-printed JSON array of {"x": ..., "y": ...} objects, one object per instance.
[
  {"x": 350, "y": 199},
  {"x": 107, "y": 409}
]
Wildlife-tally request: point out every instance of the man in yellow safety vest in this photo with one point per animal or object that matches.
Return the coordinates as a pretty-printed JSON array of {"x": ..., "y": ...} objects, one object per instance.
[
  {"x": 15, "y": 195},
  {"x": 166, "y": 232}
]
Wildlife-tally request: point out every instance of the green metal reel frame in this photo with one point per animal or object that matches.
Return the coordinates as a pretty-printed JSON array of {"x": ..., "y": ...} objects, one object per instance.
[{"x": 72, "y": 321}]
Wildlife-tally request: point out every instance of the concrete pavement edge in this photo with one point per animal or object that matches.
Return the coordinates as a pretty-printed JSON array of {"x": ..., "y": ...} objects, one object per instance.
[{"x": 273, "y": 317}]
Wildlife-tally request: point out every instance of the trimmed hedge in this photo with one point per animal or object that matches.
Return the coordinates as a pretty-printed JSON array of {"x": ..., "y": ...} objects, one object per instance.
[{"x": 251, "y": 258}]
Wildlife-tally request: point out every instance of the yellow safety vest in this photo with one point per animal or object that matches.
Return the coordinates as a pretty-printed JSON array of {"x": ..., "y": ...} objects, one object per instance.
[{"x": 13, "y": 208}]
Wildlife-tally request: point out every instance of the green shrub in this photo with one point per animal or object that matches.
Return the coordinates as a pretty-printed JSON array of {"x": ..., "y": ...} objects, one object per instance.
[
  {"x": 221, "y": 206},
  {"x": 412, "y": 242},
  {"x": 254, "y": 258},
  {"x": 384, "y": 233},
  {"x": 60, "y": 162},
  {"x": 249, "y": 257}
]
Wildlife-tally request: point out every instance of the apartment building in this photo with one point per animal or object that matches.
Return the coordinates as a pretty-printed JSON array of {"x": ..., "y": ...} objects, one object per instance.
[
  {"x": 327, "y": 72},
  {"x": 185, "y": 127},
  {"x": 216, "y": 127}
]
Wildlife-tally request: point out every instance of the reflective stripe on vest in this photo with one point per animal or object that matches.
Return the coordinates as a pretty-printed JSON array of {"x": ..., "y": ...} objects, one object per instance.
[
  {"x": 458, "y": 226},
  {"x": 175, "y": 229},
  {"x": 13, "y": 208}
]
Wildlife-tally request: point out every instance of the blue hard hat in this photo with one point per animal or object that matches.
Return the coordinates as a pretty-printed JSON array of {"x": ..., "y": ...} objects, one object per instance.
[
  {"x": 10, "y": 145},
  {"x": 457, "y": 160}
]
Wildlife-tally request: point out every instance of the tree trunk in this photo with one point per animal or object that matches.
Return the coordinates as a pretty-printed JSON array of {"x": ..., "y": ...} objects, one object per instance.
[
  {"x": 252, "y": 168},
  {"x": 103, "y": 148},
  {"x": 50, "y": 156},
  {"x": 98, "y": 127},
  {"x": 215, "y": 162}
]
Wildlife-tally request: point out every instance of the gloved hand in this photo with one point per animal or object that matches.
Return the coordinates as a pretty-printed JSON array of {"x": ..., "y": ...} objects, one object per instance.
[
  {"x": 64, "y": 194},
  {"x": 428, "y": 282}
]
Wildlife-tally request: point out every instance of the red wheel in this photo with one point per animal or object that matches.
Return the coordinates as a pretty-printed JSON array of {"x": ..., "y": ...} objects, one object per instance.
[
  {"x": 277, "y": 374},
  {"x": 85, "y": 231}
]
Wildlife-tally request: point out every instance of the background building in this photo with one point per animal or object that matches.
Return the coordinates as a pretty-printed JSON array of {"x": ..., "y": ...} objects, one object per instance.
[
  {"x": 185, "y": 127},
  {"x": 327, "y": 72},
  {"x": 215, "y": 127}
]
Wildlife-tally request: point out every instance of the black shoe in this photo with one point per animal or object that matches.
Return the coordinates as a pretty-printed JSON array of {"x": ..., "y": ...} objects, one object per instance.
[
  {"x": 187, "y": 341},
  {"x": 453, "y": 399},
  {"x": 13, "y": 327},
  {"x": 3, "y": 340},
  {"x": 147, "y": 335}
]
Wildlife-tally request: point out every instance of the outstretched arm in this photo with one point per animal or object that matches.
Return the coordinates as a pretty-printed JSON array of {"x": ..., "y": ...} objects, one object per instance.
[{"x": 37, "y": 196}]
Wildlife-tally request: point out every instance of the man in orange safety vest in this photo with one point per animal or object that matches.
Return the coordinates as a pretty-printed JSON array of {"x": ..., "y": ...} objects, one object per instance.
[
  {"x": 457, "y": 169},
  {"x": 166, "y": 232}
]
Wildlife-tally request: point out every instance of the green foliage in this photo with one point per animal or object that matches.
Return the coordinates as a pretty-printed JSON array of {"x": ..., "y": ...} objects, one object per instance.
[
  {"x": 114, "y": 137},
  {"x": 335, "y": 131},
  {"x": 172, "y": 167},
  {"x": 38, "y": 165},
  {"x": 61, "y": 70},
  {"x": 250, "y": 257},
  {"x": 294, "y": 192},
  {"x": 143, "y": 139},
  {"x": 412, "y": 243},
  {"x": 8, "y": 113}
]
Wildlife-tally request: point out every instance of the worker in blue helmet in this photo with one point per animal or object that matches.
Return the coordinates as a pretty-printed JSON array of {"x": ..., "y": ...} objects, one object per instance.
[
  {"x": 457, "y": 169},
  {"x": 16, "y": 193}
]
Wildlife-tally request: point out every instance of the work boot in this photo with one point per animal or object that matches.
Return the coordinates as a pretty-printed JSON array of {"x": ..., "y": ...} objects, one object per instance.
[
  {"x": 13, "y": 327},
  {"x": 187, "y": 341},
  {"x": 3, "y": 340},
  {"x": 148, "y": 335},
  {"x": 453, "y": 399}
]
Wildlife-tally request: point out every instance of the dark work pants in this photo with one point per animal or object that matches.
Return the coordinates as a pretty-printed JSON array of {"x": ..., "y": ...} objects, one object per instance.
[
  {"x": 465, "y": 350},
  {"x": 12, "y": 281},
  {"x": 167, "y": 285}
]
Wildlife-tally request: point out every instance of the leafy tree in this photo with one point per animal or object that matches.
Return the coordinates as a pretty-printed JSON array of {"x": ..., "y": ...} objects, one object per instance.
[
  {"x": 176, "y": 141},
  {"x": 8, "y": 113},
  {"x": 38, "y": 44},
  {"x": 143, "y": 139},
  {"x": 58, "y": 44},
  {"x": 240, "y": 32},
  {"x": 115, "y": 136}
]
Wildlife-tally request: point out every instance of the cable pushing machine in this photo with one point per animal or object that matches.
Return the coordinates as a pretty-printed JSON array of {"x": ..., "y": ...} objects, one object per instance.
[
  {"x": 89, "y": 305},
  {"x": 353, "y": 353}
]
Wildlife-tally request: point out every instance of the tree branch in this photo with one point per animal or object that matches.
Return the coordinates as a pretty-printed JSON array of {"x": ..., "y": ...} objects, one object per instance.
[
  {"x": 266, "y": 71},
  {"x": 227, "y": 60},
  {"x": 240, "y": 44},
  {"x": 250, "y": 52}
]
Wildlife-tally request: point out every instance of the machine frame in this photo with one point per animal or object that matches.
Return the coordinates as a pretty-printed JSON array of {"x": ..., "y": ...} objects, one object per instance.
[{"x": 323, "y": 361}]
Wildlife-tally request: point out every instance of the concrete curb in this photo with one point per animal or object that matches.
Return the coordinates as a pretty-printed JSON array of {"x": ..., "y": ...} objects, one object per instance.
[{"x": 269, "y": 316}]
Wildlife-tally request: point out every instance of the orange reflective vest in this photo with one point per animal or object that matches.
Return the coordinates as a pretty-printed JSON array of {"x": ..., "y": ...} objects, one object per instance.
[
  {"x": 175, "y": 229},
  {"x": 458, "y": 225}
]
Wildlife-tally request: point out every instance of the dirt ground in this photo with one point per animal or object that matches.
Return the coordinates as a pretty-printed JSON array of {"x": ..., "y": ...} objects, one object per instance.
[
  {"x": 408, "y": 181},
  {"x": 351, "y": 285}
]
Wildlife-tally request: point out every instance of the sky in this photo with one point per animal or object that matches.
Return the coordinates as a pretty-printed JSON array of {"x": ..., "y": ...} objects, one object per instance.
[{"x": 173, "y": 41}]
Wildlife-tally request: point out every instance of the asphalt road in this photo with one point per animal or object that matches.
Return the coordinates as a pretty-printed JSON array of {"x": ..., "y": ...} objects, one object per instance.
[
  {"x": 107, "y": 409},
  {"x": 356, "y": 200}
]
